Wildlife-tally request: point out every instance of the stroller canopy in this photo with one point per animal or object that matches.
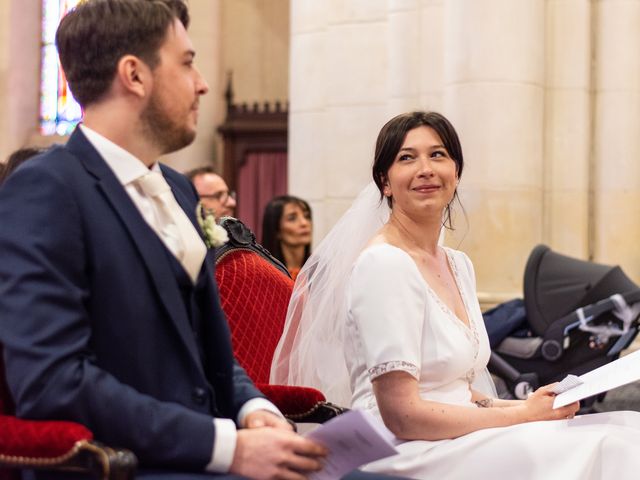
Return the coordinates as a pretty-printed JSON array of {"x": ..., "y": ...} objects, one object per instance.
[{"x": 555, "y": 285}]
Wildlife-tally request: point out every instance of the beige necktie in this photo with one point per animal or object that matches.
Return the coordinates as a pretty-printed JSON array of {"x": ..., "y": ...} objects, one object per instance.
[{"x": 176, "y": 230}]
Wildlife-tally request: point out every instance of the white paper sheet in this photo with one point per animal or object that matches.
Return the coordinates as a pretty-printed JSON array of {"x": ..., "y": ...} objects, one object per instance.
[
  {"x": 612, "y": 375},
  {"x": 567, "y": 383},
  {"x": 353, "y": 439}
]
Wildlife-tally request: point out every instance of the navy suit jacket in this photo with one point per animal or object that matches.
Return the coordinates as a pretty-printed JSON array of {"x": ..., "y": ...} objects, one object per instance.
[{"x": 92, "y": 319}]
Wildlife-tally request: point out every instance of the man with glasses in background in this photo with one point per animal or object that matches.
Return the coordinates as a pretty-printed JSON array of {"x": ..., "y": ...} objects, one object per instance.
[{"x": 213, "y": 191}]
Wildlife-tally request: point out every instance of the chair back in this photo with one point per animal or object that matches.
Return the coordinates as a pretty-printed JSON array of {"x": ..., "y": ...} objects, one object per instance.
[
  {"x": 6, "y": 402},
  {"x": 6, "y": 408},
  {"x": 254, "y": 291}
]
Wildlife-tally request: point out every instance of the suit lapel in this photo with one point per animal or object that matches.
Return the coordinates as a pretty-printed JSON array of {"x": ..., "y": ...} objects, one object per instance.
[{"x": 145, "y": 239}]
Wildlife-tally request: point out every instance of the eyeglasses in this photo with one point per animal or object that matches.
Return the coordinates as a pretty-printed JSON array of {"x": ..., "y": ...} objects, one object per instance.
[{"x": 221, "y": 197}]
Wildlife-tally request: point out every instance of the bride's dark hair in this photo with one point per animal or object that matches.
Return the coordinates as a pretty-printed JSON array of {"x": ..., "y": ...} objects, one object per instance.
[{"x": 392, "y": 136}]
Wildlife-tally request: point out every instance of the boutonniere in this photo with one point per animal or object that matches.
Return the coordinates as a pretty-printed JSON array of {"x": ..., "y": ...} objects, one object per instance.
[{"x": 214, "y": 234}]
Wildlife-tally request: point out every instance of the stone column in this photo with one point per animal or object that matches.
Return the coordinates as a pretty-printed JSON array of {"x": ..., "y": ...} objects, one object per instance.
[
  {"x": 405, "y": 55},
  {"x": 494, "y": 96},
  {"x": 567, "y": 127},
  {"x": 354, "y": 64},
  {"x": 617, "y": 135},
  {"x": 432, "y": 55},
  {"x": 338, "y": 101}
]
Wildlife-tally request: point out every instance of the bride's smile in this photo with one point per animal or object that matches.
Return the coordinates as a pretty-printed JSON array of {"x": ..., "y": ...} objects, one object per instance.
[{"x": 423, "y": 174}]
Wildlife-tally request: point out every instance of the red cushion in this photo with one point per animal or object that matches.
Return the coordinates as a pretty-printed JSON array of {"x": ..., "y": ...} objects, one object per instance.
[
  {"x": 255, "y": 296},
  {"x": 292, "y": 400},
  {"x": 39, "y": 439}
]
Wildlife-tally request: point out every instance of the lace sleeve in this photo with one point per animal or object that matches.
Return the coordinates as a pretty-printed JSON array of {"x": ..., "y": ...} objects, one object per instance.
[{"x": 396, "y": 365}]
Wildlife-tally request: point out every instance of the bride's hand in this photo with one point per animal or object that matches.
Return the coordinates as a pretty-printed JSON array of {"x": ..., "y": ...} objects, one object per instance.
[{"x": 539, "y": 406}]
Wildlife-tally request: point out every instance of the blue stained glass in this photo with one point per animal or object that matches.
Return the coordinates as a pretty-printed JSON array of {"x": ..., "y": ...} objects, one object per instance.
[{"x": 59, "y": 111}]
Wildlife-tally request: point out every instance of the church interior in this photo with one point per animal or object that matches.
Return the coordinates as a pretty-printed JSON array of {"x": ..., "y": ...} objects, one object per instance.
[
  {"x": 544, "y": 94},
  {"x": 547, "y": 114}
]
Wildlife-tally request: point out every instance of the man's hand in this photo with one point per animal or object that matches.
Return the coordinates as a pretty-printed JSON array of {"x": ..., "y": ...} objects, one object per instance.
[
  {"x": 265, "y": 418},
  {"x": 271, "y": 453}
]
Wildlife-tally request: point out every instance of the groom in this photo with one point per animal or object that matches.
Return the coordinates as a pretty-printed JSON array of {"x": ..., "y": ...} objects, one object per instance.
[{"x": 109, "y": 313}]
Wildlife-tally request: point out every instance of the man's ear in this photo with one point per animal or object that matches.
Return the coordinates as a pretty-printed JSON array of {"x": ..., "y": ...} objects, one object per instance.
[{"x": 134, "y": 75}]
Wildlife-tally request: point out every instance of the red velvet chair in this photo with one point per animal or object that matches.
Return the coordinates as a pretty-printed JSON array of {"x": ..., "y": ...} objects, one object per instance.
[
  {"x": 54, "y": 445},
  {"x": 254, "y": 291}
]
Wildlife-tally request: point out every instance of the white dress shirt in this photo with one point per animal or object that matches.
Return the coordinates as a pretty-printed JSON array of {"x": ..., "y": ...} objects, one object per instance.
[{"x": 127, "y": 168}]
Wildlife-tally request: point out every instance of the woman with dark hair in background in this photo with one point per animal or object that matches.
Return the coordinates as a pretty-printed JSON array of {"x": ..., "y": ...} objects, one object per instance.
[{"x": 286, "y": 231}]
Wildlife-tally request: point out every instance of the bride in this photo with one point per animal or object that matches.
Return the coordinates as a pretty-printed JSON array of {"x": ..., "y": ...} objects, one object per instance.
[{"x": 384, "y": 319}]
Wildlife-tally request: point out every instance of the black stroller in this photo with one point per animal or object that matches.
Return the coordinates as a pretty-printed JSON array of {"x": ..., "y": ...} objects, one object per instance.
[{"x": 575, "y": 316}]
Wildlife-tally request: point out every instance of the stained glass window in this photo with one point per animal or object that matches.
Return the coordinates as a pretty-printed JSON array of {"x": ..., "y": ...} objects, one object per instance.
[{"x": 59, "y": 111}]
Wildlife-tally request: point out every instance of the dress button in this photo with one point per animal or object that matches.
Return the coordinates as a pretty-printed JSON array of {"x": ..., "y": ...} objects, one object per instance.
[{"x": 199, "y": 395}]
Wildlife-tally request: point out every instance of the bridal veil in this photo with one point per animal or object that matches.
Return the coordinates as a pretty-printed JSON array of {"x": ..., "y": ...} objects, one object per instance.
[{"x": 311, "y": 350}]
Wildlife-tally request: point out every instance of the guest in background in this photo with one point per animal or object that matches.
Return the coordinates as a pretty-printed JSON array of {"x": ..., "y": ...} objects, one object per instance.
[
  {"x": 213, "y": 191},
  {"x": 286, "y": 231},
  {"x": 16, "y": 159}
]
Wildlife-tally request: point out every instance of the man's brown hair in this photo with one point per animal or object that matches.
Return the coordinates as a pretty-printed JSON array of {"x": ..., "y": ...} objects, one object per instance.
[{"x": 94, "y": 36}]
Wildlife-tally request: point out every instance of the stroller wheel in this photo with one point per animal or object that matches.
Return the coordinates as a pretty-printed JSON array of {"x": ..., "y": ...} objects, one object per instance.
[
  {"x": 551, "y": 350},
  {"x": 522, "y": 390}
]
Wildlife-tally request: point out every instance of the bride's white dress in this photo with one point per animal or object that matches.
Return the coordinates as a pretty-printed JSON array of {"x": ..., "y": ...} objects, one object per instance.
[{"x": 397, "y": 322}]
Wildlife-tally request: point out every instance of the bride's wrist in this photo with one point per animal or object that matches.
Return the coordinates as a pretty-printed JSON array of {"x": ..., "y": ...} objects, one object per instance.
[{"x": 521, "y": 413}]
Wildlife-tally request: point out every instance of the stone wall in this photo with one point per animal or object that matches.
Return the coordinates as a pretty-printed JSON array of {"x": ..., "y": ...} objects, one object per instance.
[{"x": 544, "y": 95}]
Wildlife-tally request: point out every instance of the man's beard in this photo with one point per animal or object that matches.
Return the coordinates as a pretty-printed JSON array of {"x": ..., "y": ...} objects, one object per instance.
[{"x": 161, "y": 129}]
